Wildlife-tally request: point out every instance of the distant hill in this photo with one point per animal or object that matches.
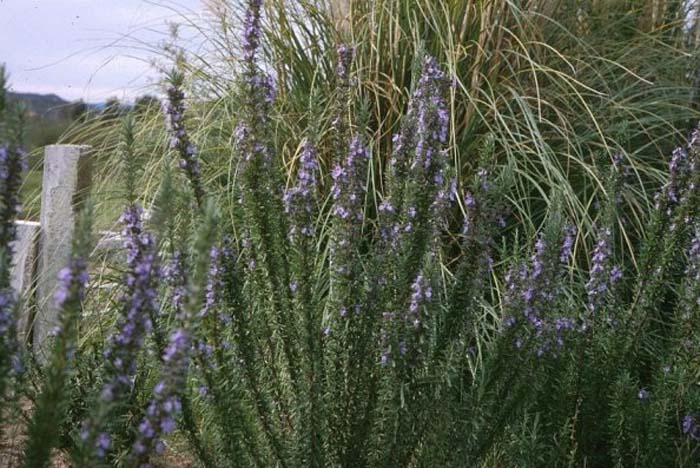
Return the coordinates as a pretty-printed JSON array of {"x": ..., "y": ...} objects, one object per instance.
[
  {"x": 47, "y": 116},
  {"x": 53, "y": 108},
  {"x": 47, "y": 106}
]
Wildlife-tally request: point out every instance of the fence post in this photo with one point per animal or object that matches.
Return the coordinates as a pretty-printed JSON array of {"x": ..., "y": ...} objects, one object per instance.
[
  {"x": 340, "y": 12},
  {"x": 66, "y": 180},
  {"x": 25, "y": 249}
]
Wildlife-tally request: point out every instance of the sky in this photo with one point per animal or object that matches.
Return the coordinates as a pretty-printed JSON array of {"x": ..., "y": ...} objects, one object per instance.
[{"x": 85, "y": 49}]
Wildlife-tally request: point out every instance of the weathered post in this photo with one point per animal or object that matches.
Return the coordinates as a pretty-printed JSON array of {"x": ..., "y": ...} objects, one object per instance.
[
  {"x": 67, "y": 172},
  {"x": 340, "y": 12},
  {"x": 23, "y": 270}
]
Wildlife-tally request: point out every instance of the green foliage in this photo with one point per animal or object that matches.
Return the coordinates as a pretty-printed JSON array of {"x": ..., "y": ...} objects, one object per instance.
[{"x": 51, "y": 406}]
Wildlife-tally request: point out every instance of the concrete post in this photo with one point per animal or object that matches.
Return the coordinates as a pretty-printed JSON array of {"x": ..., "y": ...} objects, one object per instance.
[
  {"x": 23, "y": 270},
  {"x": 340, "y": 12},
  {"x": 67, "y": 173}
]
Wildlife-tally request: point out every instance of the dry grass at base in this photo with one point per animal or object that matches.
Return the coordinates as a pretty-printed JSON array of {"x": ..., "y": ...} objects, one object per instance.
[{"x": 13, "y": 437}]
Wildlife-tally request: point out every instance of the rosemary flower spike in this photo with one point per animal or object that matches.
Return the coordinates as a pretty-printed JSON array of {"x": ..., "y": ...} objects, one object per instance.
[
  {"x": 139, "y": 305},
  {"x": 180, "y": 140}
]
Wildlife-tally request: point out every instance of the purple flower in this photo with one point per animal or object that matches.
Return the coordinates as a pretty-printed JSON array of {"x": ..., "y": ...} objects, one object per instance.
[
  {"x": 692, "y": 270},
  {"x": 102, "y": 443},
  {"x": 386, "y": 207},
  {"x": 178, "y": 341},
  {"x": 643, "y": 394},
  {"x": 176, "y": 276},
  {"x": 385, "y": 358},
  {"x": 12, "y": 165},
  {"x": 300, "y": 199},
  {"x": 404, "y": 335},
  {"x": 419, "y": 166},
  {"x": 252, "y": 31},
  {"x": 431, "y": 135},
  {"x": 179, "y": 138},
  {"x": 538, "y": 258},
  {"x": 691, "y": 284},
  {"x": 615, "y": 274},
  {"x": 71, "y": 283},
  {"x": 618, "y": 159},
  {"x": 602, "y": 274},
  {"x": 530, "y": 290},
  {"x": 258, "y": 87},
  {"x": 140, "y": 298},
  {"x": 691, "y": 427},
  {"x": 139, "y": 305},
  {"x": 421, "y": 293},
  {"x": 570, "y": 235},
  {"x": 348, "y": 192},
  {"x": 214, "y": 281},
  {"x": 483, "y": 217},
  {"x": 345, "y": 56},
  {"x": 469, "y": 201},
  {"x": 349, "y": 184},
  {"x": 682, "y": 165},
  {"x": 165, "y": 406}
]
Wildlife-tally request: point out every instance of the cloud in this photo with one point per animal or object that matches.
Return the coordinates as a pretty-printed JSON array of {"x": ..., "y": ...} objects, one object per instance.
[{"x": 90, "y": 49}]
